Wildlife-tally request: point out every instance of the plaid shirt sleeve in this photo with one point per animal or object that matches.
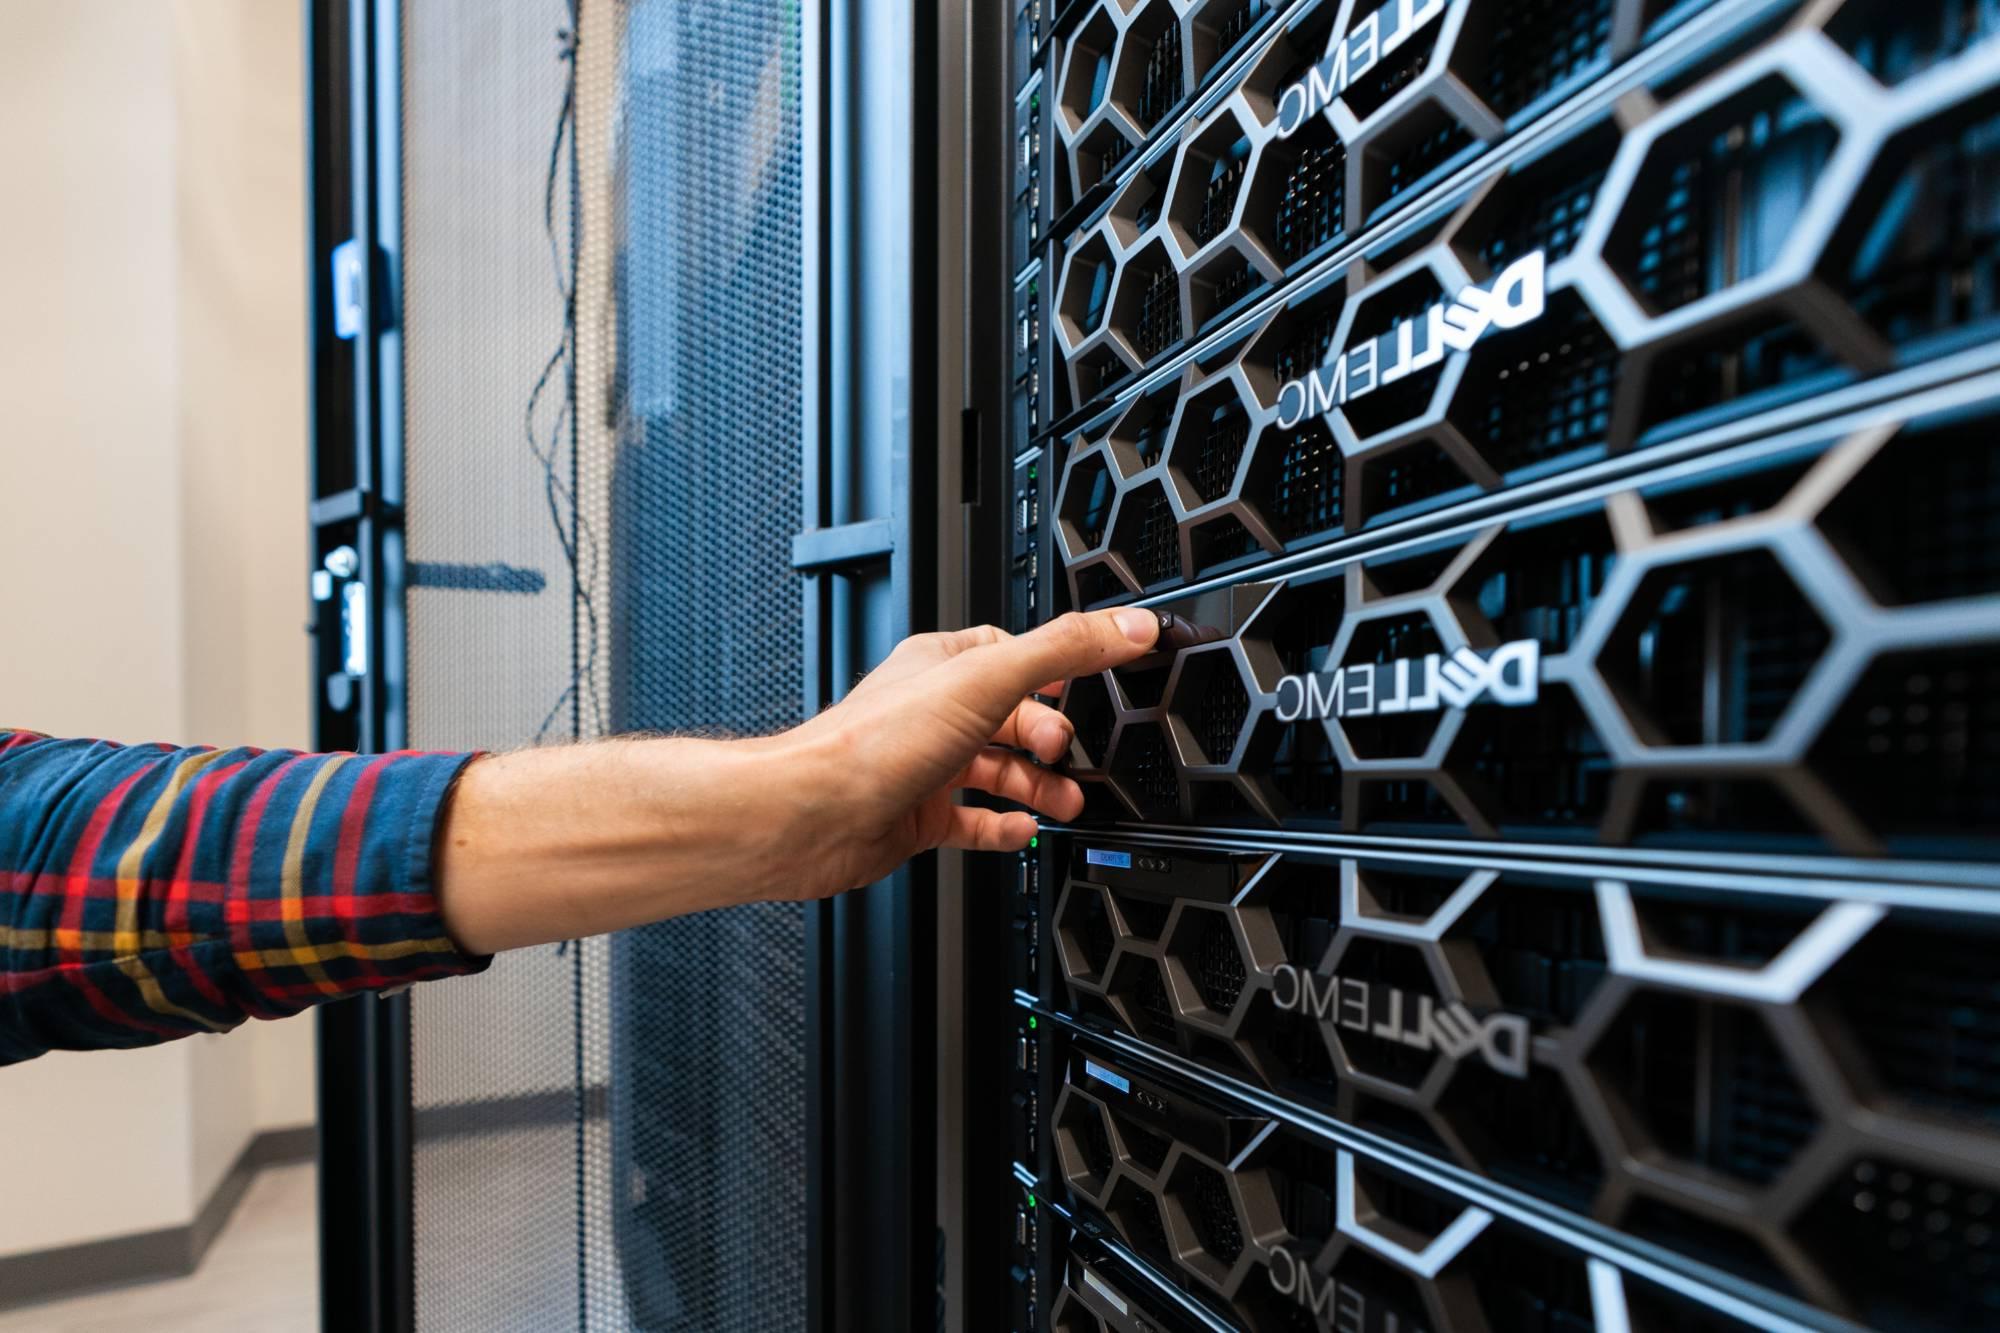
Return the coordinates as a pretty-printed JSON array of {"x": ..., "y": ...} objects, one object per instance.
[{"x": 147, "y": 892}]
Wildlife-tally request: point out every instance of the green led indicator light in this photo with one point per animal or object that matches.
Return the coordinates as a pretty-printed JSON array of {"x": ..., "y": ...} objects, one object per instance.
[
  {"x": 1031, "y": 1022},
  {"x": 1035, "y": 841},
  {"x": 1031, "y": 1201}
]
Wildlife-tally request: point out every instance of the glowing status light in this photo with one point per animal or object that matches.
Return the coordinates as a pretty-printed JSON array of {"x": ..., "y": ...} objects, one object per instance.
[
  {"x": 1031, "y": 1201},
  {"x": 1034, "y": 842},
  {"x": 1031, "y": 1022}
]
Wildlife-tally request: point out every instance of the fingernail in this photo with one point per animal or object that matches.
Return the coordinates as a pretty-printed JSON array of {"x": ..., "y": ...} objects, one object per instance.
[
  {"x": 1139, "y": 626},
  {"x": 1051, "y": 736}
]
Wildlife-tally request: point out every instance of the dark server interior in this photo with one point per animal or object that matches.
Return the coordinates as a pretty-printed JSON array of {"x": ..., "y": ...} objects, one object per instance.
[{"x": 1546, "y": 880}]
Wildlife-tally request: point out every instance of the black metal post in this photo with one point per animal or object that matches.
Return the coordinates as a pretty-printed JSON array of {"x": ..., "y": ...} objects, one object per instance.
[{"x": 356, "y": 566}]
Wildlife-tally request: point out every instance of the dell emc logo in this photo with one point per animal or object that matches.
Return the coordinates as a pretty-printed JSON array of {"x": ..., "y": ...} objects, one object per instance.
[
  {"x": 1512, "y": 299},
  {"x": 1371, "y": 42},
  {"x": 1339, "y": 1305},
  {"x": 1414, "y": 1021},
  {"x": 1509, "y": 675}
]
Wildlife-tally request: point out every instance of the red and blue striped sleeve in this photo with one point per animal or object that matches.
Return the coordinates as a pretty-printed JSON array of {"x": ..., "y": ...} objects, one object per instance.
[{"x": 148, "y": 892}]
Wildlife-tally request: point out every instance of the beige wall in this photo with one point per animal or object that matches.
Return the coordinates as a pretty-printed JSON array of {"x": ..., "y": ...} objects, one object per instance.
[
  {"x": 283, "y": 1072},
  {"x": 242, "y": 405},
  {"x": 102, "y": 1144},
  {"x": 153, "y": 471},
  {"x": 90, "y": 568}
]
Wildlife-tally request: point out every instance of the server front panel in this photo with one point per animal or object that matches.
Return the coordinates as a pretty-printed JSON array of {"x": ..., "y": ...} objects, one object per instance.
[{"x": 1546, "y": 877}]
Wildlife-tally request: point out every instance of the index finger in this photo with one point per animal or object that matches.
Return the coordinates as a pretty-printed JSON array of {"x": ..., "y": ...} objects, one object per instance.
[{"x": 996, "y": 677}]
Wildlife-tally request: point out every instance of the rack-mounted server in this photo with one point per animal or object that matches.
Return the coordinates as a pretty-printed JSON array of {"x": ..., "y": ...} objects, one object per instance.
[
  {"x": 1720, "y": 1070},
  {"x": 1267, "y": 1224},
  {"x": 1792, "y": 652}
]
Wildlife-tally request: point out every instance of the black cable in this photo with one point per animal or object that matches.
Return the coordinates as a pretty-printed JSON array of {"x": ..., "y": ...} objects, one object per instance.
[
  {"x": 579, "y": 543},
  {"x": 575, "y": 540}
]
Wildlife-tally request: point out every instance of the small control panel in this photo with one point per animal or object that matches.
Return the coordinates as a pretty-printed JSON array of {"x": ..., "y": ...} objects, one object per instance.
[{"x": 1025, "y": 608}]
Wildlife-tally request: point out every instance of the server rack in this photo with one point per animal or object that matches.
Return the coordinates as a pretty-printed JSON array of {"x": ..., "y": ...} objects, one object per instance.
[{"x": 1547, "y": 883}]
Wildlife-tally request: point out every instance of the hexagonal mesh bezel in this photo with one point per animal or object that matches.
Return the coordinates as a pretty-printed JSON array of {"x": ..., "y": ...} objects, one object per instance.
[
  {"x": 1783, "y": 755},
  {"x": 1743, "y": 1187},
  {"x": 1603, "y": 374},
  {"x": 1707, "y": 1084},
  {"x": 1728, "y": 679}
]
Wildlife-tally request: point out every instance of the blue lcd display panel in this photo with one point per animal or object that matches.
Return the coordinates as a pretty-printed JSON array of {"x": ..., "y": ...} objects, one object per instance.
[
  {"x": 1103, "y": 1075},
  {"x": 1116, "y": 860}
]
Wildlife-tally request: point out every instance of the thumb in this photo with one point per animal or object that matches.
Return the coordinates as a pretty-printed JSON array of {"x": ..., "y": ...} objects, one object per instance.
[{"x": 995, "y": 678}]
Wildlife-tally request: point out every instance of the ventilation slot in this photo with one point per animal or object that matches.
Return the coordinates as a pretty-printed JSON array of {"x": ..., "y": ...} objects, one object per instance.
[
  {"x": 1916, "y": 747},
  {"x": 1303, "y": 499},
  {"x": 1312, "y": 211},
  {"x": 1538, "y": 46},
  {"x": 1159, "y": 324},
  {"x": 1218, "y": 203},
  {"x": 1161, "y": 91},
  {"x": 1924, "y": 1005}
]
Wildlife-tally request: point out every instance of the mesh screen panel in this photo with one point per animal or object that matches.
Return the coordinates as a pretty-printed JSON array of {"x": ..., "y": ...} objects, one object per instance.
[{"x": 610, "y": 1135}]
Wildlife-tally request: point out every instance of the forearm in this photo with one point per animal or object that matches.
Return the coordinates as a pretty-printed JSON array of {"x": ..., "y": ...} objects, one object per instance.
[{"x": 559, "y": 843}]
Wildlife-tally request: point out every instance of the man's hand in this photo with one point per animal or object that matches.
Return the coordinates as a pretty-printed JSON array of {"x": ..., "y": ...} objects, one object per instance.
[
  {"x": 950, "y": 711},
  {"x": 557, "y": 843}
]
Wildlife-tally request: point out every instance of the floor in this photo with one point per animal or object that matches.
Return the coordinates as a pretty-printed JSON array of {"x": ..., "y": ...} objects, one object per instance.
[{"x": 260, "y": 1276}]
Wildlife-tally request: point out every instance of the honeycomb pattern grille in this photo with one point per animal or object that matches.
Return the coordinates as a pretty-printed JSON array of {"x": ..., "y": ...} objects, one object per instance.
[
  {"x": 1806, "y": 217},
  {"x": 1129, "y": 65},
  {"x": 1707, "y": 673},
  {"x": 1770, "y": 625},
  {"x": 1657, "y": 1094},
  {"x": 1215, "y": 1220},
  {"x": 1217, "y": 1227}
]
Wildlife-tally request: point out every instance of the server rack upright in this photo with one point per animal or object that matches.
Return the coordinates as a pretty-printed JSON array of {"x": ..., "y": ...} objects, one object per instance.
[
  {"x": 1554, "y": 886},
  {"x": 640, "y": 333}
]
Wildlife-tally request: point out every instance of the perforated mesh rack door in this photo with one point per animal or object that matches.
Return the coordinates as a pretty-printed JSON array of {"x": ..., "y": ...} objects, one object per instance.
[{"x": 608, "y": 1135}]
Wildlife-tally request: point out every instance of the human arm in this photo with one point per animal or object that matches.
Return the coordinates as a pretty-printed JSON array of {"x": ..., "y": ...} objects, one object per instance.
[
  {"x": 553, "y": 843},
  {"x": 148, "y": 892}
]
